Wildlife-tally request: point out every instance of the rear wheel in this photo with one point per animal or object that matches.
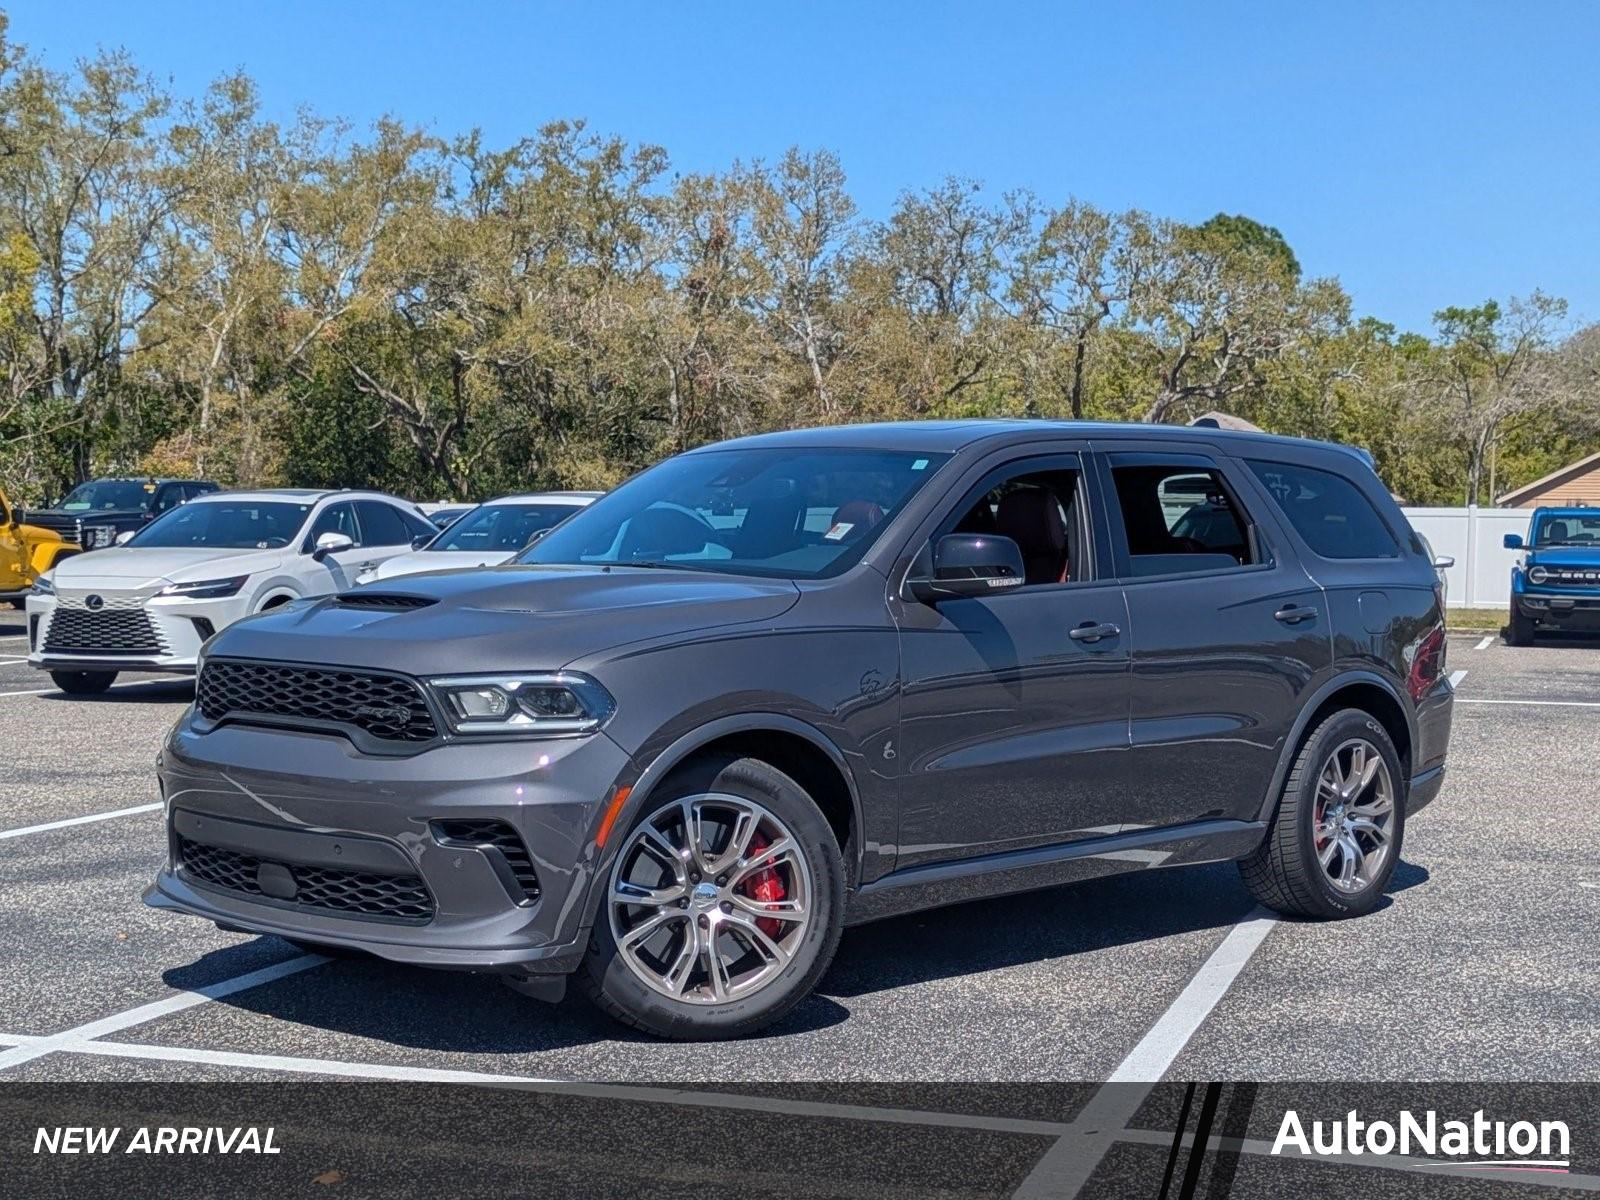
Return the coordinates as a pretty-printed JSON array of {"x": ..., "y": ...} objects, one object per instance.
[
  {"x": 1520, "y": 630},
  {"x": 723, "y": 907},
  {"x": 1336, "y": 837},
  {"x": 83, "y": 683}
]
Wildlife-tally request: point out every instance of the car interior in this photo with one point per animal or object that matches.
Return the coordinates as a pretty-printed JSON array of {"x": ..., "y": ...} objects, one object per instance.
[{"x": 1038, "y": 513}]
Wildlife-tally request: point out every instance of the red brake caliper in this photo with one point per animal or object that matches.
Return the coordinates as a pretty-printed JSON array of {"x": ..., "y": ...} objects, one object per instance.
[{"x": 765, "y": 886}]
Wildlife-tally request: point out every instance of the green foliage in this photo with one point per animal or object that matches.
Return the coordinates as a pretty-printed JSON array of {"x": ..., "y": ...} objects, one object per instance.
[{"x": 316, "y": 305}]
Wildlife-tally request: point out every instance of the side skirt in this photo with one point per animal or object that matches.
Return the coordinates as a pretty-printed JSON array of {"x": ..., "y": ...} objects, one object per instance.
[{"x": 937, "y": 884}]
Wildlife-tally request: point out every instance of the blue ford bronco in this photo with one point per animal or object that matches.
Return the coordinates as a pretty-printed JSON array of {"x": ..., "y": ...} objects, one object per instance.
[{"x": 1556, "y": 583}]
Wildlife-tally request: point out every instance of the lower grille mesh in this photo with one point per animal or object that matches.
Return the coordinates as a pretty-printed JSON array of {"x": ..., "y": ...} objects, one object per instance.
[
  {"x": 495, "y": 835},
  {"x": 78, "y": 631},
  {"x": 395, "y": 897}
]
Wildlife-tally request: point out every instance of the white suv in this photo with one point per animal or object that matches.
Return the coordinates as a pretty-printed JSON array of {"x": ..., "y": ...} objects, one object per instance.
[
  {"x": 487, "y": 535},
  {"x": 149, "y": 603}
]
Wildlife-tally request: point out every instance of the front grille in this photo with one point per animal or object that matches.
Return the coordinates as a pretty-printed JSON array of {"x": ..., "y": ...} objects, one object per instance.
[
  {"x": 107, "y": 631},
  {"x": 1570, "y": 577},
  {"x": 392, "y": 897},
  {"x": 69, "y": 527},
  {"x": 383, "y": 600},
  {"x": 495, "y": 835},
  {"x": 387, "y": 707}
]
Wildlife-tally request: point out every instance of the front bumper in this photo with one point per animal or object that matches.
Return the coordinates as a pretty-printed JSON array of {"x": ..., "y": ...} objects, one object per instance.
[
  {"x": 180, "y": 626},
  {"x": 336, "y": 808},
  {"x": 1573, "y": 610}
]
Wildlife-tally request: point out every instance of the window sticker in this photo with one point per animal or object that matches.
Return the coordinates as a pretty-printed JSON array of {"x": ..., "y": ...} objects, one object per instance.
[
  {"x": 837, "y": 530},
  {"x": 920, "y": 465}
]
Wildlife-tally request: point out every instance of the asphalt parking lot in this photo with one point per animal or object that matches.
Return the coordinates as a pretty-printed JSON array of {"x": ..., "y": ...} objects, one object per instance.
[{"x": 1480, "y": 966}]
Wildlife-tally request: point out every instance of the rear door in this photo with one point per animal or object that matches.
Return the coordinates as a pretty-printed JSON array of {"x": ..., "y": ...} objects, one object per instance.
[
  {"x": 384, "y": 532},
  {"x": 1228, "y": 633},
  {"x": 1014, "y": 732}
]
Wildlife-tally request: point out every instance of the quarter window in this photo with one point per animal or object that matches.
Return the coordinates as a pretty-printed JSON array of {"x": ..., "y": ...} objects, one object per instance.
[
  {"x": 1180, "y": 518},
  {"x": 1328, "y": 511}
]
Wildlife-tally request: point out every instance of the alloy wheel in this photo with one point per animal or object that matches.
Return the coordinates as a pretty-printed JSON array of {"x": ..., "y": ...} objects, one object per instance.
[
  {"x": 710, "y": 899},
  {"x": 1353, "y": 822}
]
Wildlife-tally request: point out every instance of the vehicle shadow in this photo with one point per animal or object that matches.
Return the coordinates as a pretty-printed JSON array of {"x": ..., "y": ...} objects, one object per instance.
[
  {"x": 12, "y": 622},
  {"x": 458, "y": 1013},
  {"x": 158, "y": 691}
]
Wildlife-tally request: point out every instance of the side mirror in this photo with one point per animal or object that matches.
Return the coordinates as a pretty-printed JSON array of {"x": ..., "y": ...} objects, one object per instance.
[
  {"x": 537, "y": 534},
  {"x": 1512, "y": 541},
  {"x": 124, "y": 537},
  {"x": 332, "y": 543},
  {"x": 966, "y": 564},
  {"x": 1443, "y": 562},
  {"x": 421, "y": 540}
]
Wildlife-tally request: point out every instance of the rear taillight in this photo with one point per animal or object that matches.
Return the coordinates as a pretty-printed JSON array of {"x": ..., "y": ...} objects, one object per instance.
[{"x": 1427, "y": 662}]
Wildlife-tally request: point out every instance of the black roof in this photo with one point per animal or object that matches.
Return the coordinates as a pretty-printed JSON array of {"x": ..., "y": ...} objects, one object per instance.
[{"x": 950, "y": 437}]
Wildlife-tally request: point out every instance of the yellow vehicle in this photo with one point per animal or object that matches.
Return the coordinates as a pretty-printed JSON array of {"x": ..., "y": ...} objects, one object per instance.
[{"x": 26, "y": 552}]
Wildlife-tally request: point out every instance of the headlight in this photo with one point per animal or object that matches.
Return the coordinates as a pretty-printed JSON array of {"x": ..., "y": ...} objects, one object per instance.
[
  {"x": 206, "y": 589},
  {"x": 97, "y": 537},
  {"x": 532, "y": 705},
  {"x": 1538, "y": 574},
  {"x": 43, "y": 587}
]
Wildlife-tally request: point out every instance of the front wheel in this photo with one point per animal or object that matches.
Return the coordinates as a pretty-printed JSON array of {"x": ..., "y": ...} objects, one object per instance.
[
  {"x": 1336, "y": 836},
  {"x": 723, "y": 906},
  {"x": 83, "y": 683},
  {"x": 1519, "y": 632}
]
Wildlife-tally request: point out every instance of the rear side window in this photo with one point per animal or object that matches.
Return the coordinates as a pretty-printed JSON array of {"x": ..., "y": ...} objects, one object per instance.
[
  {"x": 1328, "y": 511},
  {"x": 381, "y": 524},
  {"x": 1179, "y": 518}
]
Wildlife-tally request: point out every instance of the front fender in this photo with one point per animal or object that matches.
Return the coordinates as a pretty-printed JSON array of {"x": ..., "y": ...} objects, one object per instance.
[{"x": 659, "y": 766}]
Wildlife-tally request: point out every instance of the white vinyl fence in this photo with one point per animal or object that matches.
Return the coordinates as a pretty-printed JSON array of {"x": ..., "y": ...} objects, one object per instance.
[{"x": 1473, "y": 537}]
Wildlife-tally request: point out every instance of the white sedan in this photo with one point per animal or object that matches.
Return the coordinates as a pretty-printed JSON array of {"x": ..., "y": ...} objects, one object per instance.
[
  {"x": 488, "y": 535},
  {"x": 151, "y": 602}
]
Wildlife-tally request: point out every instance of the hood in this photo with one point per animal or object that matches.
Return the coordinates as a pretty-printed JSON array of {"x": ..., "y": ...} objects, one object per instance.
[
  {"x": 89, "y": 516},
  {"x": 135, "y": 567},
  {"x": 510, "y": 618},
  {"x": 420, "y": 561},
  {"x": 1565, "y": 556}
]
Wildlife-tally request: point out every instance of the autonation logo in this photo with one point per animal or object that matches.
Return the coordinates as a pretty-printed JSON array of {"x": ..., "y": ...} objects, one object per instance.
[{"x": 1478, "y": 1144}]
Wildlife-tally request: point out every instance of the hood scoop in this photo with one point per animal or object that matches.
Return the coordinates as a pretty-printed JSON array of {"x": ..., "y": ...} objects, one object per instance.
[{"x": 384, "y": 601}]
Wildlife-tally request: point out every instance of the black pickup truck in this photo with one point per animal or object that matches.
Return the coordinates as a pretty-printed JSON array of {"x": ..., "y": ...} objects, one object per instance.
[{"x": 95, "y": 513}]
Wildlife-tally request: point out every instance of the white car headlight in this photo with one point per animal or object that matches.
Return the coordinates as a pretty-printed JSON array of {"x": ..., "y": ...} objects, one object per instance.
[
  {"x": 205, "y": 589},
  {"x": 534, "y": 705},
  {"x": 43, "y": 587}
]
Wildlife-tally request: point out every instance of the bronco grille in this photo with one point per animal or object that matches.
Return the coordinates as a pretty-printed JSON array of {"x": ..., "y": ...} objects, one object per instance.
[
  {"x": 361, "y": 893},
  {"x": 385, "y": 706},
  {"x": 108, "y": 631}
]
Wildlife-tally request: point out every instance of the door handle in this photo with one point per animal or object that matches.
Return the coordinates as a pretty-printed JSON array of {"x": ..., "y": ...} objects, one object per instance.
[
  {"x": 1090, "y": 632},
  {"x": 1293, "y": 614}
]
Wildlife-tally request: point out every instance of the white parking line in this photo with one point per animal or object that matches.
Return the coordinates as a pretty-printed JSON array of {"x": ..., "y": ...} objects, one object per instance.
[
  {"x": 1149, "y": 1060},
  {"x": 1456, "y": 677},
  {"x": 117, "y": 1022},
  {"x": 70, "y": 821},
  {"x": 1486, "y": 643},
  {"x": 1545, "y": 703}
]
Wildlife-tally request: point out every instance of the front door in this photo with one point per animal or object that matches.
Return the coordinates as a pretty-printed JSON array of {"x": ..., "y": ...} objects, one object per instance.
[
  {"x": 1014, "y": 731},
  {"x": 1228, "y": 633}
]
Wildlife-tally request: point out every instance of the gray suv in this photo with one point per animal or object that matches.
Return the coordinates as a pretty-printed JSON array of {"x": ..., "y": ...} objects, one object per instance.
[{"x": 777, "y": 686}]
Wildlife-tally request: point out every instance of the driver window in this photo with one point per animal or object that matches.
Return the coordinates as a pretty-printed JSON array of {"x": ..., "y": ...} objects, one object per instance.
[
  {"x": 1039, "y": 512},
  {"x": 336, "y": 518}
]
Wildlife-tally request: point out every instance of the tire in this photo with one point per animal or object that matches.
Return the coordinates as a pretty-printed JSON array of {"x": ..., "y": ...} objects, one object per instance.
[
  {"x": 1519, "y": 631},
  {"x": 798, "y": 949},
  {"x": 83, "y": 683},
  {"x": 1287, "y": 872}
]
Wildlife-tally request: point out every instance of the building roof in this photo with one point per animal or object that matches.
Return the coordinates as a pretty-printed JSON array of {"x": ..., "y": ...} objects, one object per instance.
[{"x": 1572, "y": 470}]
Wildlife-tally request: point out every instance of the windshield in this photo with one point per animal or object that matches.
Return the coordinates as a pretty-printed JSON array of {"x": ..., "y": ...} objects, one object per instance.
[
  {"x": 225, "y": 524},
  {"x": 106, "y": 494},
  {"x": 505, "y": 528},
  {"x": 1569, "y": 529},
  {"x": 792, "y": 514}
]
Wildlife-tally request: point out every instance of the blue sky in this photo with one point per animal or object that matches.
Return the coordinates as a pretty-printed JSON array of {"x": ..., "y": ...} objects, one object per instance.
[{"x": 1425, "y": 153}]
